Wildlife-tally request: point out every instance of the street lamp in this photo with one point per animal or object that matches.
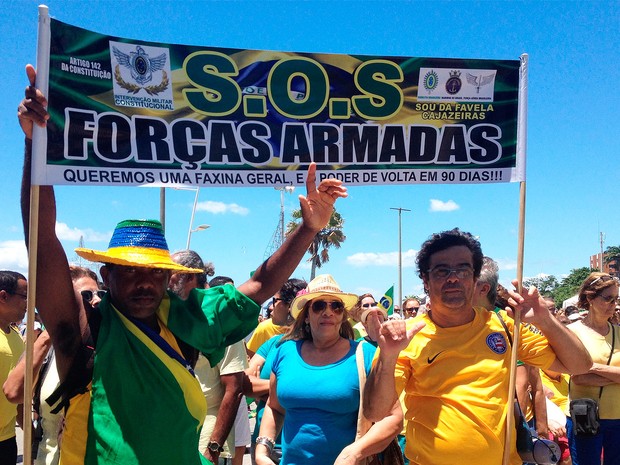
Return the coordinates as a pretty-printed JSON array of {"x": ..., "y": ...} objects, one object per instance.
[
  {"x": 288, "y": 190},
  {"x": 191, "y": 221},
  {"x": 191, "y": 231},
  {"x": 400, "y": 258}
]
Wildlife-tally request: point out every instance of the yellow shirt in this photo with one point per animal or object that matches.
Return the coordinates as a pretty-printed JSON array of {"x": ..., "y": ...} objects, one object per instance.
[
  {"x": 11, "y": 348},
  {"x": 559, "y": 389},
  {"x": 599, "y": 348},
  {"x": 456, "y": 389},
  {"x": 263, "y": 332}
]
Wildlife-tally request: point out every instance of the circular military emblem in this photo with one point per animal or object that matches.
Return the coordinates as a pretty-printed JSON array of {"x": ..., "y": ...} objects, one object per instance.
[
  {"x": 497, "y": 343},
  {"x": 430, "y": 80},
  {"x": 140, "y": 64},
  {"x": 454, "y": 84}
]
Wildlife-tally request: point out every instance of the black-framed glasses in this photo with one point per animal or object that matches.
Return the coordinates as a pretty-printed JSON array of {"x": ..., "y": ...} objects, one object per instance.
[
  {"x": 90, "y": 295},
  {"x": 275, "y": 300},
  {"x": 412, "y": 309},
  {"x": 444, "y": 272},
  {"x": 369, "y": 305},
  {"x": 319, "y": 306}
]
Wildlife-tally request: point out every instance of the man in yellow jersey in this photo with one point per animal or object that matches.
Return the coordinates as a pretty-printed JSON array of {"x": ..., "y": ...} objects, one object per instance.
[
  {"x": 453, "y": 362},
  {"x": 143, "y": 402}
]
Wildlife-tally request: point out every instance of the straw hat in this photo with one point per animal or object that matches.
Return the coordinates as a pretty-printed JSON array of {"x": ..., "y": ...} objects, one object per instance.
[
  {"x": 322, "y": 285},
  {"x": 137, "y": 243}
]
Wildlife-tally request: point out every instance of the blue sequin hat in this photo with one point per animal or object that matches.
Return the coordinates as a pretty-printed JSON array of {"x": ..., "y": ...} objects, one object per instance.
[{"x": 137, "y": 243}]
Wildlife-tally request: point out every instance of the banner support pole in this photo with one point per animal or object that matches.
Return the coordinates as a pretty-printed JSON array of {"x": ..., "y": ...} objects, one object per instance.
[
  {"x": 521, "y": 157},
  {"x": 39, "y": 144}
]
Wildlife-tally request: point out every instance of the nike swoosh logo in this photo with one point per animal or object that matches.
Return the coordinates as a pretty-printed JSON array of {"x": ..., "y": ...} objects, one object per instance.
[{"x": 432, "y": 359}]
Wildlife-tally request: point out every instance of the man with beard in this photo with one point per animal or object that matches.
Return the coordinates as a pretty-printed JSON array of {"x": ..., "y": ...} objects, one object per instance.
[{"x": 455, "y": 370}]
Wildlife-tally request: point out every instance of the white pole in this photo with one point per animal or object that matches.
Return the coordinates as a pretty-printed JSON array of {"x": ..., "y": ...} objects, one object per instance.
[
  {"x": 39, "y": 134},
  {"x": 39, "y": 149},
  {"x": 191, "y": 221},
  {"x": 400, "y": 258}
]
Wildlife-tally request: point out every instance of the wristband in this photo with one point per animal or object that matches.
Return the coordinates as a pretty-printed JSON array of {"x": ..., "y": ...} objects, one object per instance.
[{"x": 267, "y": 442}]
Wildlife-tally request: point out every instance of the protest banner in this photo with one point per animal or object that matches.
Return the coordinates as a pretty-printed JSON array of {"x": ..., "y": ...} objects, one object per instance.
[{"x": 129, "y": 112}]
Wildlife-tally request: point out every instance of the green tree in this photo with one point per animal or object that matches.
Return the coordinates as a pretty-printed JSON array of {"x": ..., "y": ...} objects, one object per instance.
[
  {"x": 330, "y": 236},
  {"x": 570, "y": 285},
  {"x": 545, "y": 284}
]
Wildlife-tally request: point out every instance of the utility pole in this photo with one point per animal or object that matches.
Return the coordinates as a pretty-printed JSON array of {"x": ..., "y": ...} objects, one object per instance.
[
  {"x": 602, "y": 239},
  {"x": 400, "y": 257}
]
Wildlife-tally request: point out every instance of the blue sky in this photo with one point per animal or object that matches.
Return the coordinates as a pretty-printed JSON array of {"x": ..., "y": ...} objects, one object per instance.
[{"x": 572, "y": 161}]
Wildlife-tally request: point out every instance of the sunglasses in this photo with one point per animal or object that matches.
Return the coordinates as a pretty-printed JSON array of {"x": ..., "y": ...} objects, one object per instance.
[
  {"x": 608, "y": 298},
  {"x": 90, "y": 295},
  {"x": 319, "y": 306},
  {"x": 275, "y": 300},
  {"x": 373, "y": 304}
]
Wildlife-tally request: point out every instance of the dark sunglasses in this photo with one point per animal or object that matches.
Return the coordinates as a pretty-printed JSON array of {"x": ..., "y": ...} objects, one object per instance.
[
  {"x": 373, "y": 304},
  {"x": 275, "y": 300},
  {"x": 608, "y": 298},
  {"x": 89, "y": 295},
  {"x": 319, "y": 306}
]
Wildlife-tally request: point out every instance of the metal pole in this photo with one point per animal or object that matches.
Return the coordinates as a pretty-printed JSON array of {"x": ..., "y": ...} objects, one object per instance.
[
  {"x": 191, "y": 221},
  {"x": 162, "y": 207},
  {"x": 400, "y": 258},
  {"x": 281, "y": 216},
  {"x": 602, "y": 237}
]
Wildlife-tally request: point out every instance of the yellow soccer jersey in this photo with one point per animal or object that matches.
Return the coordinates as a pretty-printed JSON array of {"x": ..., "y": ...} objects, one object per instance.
[{"x": 456, "y": 383}]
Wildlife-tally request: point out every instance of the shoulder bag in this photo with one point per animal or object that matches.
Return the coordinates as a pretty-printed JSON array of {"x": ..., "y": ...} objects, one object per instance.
[{"x": 392, "y": 454}]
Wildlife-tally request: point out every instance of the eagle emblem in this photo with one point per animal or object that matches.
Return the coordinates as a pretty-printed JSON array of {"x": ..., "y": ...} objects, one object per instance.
[
  {"x": 479, "y": 81},
  {"x": 140, "y": 64}
]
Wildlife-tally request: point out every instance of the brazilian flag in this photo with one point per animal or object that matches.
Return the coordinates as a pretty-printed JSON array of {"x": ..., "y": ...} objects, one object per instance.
[{"x": 387, "y": 301}]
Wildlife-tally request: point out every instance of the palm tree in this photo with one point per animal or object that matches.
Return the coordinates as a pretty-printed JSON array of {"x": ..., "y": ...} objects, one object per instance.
[{"x": 330, "y": 236}]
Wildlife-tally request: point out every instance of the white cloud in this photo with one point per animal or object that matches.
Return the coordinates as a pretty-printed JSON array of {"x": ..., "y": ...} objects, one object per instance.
[
  {"x": 506, "y": 264},
  {"x": 441, "y": 206},
  {"x": 65, "y": 233},
  {"x": 362, "y": 259},
  {"x": 220, "y": 207},
  {"x": 13, "y": 256}
]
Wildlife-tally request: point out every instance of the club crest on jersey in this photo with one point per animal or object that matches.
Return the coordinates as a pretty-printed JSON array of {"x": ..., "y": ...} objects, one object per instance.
[{"x": 497, "y": 343}]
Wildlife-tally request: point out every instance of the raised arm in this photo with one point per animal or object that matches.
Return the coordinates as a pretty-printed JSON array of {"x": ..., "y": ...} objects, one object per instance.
[
  {"x": 56, "y": 302},
  {"x": 316, "y": 208}
]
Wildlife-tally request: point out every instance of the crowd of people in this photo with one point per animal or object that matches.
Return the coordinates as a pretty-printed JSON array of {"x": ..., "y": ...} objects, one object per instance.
[{"x": 151, "y": 363}]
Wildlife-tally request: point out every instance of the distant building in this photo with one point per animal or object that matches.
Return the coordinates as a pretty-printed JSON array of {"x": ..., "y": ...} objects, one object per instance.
[{"x": 611, "y": 267}]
